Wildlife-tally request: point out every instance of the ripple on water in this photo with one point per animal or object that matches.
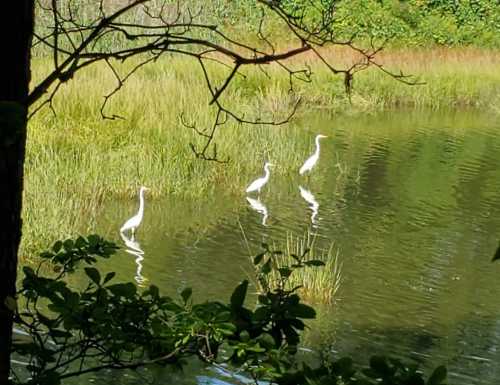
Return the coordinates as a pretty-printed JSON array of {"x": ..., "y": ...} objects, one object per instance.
[{"x": 414, "y": 210}]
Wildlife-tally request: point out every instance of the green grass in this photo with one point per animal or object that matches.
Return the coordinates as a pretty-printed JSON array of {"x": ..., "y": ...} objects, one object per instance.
[
  {"x": 318, "y": 284},
  {"x": 76, "y": 160}
]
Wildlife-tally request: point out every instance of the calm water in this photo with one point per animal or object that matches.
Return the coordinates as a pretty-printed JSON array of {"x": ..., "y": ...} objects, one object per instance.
[{"x": 412, "y": 202}]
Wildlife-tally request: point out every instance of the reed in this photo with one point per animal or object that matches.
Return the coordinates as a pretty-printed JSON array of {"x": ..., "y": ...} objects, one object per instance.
[{"x": 318, "y": 284}]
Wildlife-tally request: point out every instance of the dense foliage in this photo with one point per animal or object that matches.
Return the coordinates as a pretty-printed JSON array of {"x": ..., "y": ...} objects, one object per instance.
[
  {"x": 66, "y": 331},
  {"x": 400, "y": 22},
  {"x": 397, "y": 23},
  {"x": 422, "y": 22}
]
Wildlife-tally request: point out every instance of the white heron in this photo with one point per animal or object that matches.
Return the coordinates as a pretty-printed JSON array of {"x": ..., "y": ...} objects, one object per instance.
[
  {"x": 257, "y": 184},
  {"x": 136, "y": 220},
  {"x": 313, "y": 203},
  {"x": 261, "y": 208},
  {"x": 311, "y": 161}
]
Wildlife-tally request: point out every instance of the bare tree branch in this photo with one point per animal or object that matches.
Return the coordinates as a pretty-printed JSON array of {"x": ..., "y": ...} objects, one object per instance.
[{"x": 146, "y": 29}]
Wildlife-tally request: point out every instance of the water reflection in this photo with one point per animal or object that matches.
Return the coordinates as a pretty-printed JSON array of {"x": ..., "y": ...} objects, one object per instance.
[
  {"x": 134, "y": 248},
  {"x": 258, "y": 206},
  {"x": 415, "y": 216},
  {"x": 313, "y": 204},
  {"x": 233, "y": 376}
]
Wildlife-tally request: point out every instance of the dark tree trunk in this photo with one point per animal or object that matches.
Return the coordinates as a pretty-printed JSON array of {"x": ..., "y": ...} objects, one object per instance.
[{"x": 16, "y": 29}]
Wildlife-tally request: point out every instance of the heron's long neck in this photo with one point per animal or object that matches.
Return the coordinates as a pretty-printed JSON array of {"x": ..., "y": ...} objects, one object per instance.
[
  {"x": 141, "y": 204},
  {"x": 266, "y": 169},
  {"x": 317, "y": 147}
]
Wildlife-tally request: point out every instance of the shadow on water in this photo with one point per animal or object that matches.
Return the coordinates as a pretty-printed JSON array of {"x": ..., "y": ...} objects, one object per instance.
[{"x": 411, "y": 201}]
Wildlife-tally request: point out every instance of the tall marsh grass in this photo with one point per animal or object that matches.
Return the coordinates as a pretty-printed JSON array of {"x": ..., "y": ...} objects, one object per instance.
[{"x": 76, "y": 160}]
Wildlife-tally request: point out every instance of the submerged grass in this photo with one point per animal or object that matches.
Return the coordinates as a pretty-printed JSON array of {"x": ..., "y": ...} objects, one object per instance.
[{"x": 76, "y": 160}]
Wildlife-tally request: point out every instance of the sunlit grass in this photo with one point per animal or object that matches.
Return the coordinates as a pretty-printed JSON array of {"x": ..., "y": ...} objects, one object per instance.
[
  {"x": 318, "y": 284},
  {"x": 76, "y": 160}
]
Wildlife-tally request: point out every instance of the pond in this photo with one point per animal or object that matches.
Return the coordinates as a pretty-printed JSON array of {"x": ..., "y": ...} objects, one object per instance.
[{"x": 411, "y": 201}]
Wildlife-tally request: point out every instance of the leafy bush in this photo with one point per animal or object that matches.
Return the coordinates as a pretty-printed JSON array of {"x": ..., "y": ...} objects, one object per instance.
[
  {"x": 67, "y": 332},
  {"x": 420, "y": 22}
]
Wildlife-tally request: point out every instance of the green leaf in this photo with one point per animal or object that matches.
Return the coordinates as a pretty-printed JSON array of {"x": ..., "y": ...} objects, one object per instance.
[
  {"x": 109, "y": 277},
  {"x": 94, "y": 240},
  {"x": 343, "y": 367},
  {"x": 28, "y": 272},
  {"x": 244, "y": 336},
  {"x": 186, "y": 294},
  {"x": 314, "y": 262},
  {"x": 126, "y": 290},
  {"x": 80, "y": 242},
  {"x": 496, "y": 257},
  {"x": 57, "y": 247},
  {"x": 93, "y": 274},
  {"x": 285, "y": 272},
  {"x": 266, "y": 340},
  {"x": 239, "y": 295},
  {"x": 154, "y": 291},
  {"x": 261, "y": 314},
  {"x": 227, "y": 328},
  {"x": 379, "y": 365},
  {"x": 438, "y": 376},
  {"x": 301, "y": 310},
  {"x": 68, "y": 244},
  {"x": 266, "y": 267},
  {"x": 258, "y": 258}
]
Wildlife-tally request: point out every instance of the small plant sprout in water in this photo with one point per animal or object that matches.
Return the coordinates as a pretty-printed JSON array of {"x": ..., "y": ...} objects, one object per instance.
[{"x": 297, "y": 264}]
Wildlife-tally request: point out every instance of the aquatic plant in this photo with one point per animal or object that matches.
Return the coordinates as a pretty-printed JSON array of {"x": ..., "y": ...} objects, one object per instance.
[
  {"x": 62, "y": 332},
  {"x": 316, "y": 272}
]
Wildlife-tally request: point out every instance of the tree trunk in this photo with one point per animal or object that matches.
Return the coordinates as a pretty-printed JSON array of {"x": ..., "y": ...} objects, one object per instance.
[{"x": 16, "y": 30}]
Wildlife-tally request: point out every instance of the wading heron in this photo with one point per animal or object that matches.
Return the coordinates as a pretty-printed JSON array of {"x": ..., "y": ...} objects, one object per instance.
[
  {"x": 313, "y": 159},
  {"x": 257, "y": 184},
  {"x": 136, "y": 220}
]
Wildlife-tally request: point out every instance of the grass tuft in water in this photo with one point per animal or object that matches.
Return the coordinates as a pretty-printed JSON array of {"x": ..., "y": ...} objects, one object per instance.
[{"x": 319, "y": 284}]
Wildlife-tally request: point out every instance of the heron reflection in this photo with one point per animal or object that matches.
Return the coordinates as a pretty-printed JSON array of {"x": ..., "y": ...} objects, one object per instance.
[
  {"x": 313, "y": 204},
  {"x": 258, "y": 206},
  {"x": 134, "y": 248}
]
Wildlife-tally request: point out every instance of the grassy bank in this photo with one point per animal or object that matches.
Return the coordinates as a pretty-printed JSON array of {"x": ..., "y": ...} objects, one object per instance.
[{"x": 76, "y": 160}]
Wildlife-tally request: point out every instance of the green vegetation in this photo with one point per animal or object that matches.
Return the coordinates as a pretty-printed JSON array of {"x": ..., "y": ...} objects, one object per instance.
[
  {"x": 318, "y": 284},
  {"x": 76, "y": 160},
  {"x": 66, "y": 332},
  {"x": 421, "y": 22},
  {"x": 399, "y": 23}
]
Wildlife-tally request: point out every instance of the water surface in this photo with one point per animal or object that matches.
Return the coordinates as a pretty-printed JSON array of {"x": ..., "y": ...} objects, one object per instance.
[{"x": 412, "y": 202}]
